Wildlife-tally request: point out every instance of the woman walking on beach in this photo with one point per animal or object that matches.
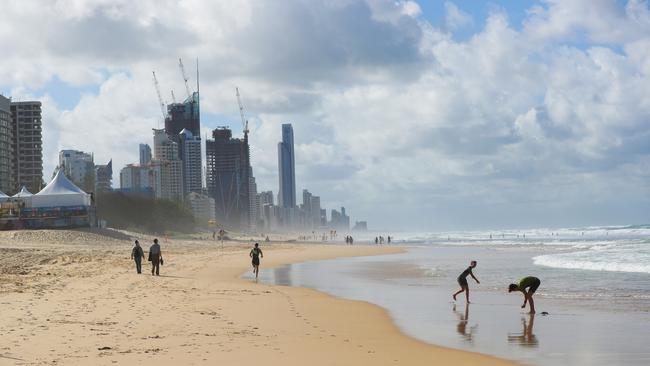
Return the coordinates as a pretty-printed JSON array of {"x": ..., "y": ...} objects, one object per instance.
[
  {"x": 256, "y": 253},
  {"x": 462, "y": 281},
  {"x": 532, "y": 284}
]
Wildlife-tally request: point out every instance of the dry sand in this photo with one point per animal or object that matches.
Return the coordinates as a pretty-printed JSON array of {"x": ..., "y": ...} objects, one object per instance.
[{"x": 73, "y": 298}]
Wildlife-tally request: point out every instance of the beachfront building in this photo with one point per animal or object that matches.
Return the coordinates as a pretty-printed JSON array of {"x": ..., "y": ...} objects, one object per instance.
[
  {"x": 254, "y": 206},
  {"x": 137, "y": 179},
  {"x": 79, "y": 167},
  {"x": 145, "y": 154},
  {"x": 202, "y": 207},
  {"x": 6, "y": 151},
  {"x": 104, "y": 177},
  {"x": 339, "y": 220},
  {"x": 167, "y": 167},
  {"x": 27, "y": 145},
  {"x": 360, "y": 226},
  {"x": 227, "y": 178},
  {"x": 190, "y": 156},
  {"x": 287, "y": 168},
  {"x": 185, "y": 115}
]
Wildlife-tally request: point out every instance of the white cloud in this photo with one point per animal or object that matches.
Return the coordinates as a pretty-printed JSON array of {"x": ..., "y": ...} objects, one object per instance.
[{"x": 393, "y": 118}]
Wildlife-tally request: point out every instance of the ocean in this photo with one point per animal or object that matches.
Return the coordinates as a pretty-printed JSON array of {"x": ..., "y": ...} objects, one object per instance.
[{"x": 595, "y": 287}]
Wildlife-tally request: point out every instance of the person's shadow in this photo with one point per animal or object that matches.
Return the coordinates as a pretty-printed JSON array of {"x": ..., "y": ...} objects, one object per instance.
[
  {"x": 463, "y": 319},
  {"x": 526, "y": 338}
]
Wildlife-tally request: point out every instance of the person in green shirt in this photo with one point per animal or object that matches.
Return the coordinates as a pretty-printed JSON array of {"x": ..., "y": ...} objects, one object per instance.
[
  {"x": 255, "y": 254},
  {"x": 527, "y": 285}
]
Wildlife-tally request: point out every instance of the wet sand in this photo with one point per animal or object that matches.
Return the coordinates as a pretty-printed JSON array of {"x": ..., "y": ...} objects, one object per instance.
[
  {"x": 415, "y": 288},
  {"x": 73, "y": 298}
]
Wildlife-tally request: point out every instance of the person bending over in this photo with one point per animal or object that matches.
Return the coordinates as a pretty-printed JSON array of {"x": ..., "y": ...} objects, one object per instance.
[{"x": 527, "y": 285}]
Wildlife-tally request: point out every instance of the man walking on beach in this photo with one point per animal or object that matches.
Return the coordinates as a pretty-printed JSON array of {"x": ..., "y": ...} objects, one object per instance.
[
  {"x": 137, "y": 254},
  {"x": 532, "y": 284},
  {"x": 155, "y": 257},
  {"x": 462, "y": 281},
  {"x": 256, "y": 253}
]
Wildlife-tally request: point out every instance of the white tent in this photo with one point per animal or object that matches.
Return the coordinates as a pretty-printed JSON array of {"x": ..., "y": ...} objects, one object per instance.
[
  {"x": 3, "y": 197},
  {"x": 23, "y": 193},
  {"x": 60, "y": 192}
]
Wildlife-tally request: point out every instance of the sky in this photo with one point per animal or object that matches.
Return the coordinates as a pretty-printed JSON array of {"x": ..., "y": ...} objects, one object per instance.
[{"x": 414, "y": 115}]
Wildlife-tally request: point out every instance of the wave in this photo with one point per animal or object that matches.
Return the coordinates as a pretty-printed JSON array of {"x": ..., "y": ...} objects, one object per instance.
[{"x": 633, "y": 258}]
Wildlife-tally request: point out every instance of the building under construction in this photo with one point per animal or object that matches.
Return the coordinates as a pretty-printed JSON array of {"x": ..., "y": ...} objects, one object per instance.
[{"x": 228, "y": 178}]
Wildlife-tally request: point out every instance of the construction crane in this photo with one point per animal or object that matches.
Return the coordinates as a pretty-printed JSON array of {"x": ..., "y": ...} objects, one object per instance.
[
  {"x": 160, "y": 99},
  {"x": 185, "y": 78},
  {"x": 244, "y": 121},
  {"x": 173, "y": 97}
]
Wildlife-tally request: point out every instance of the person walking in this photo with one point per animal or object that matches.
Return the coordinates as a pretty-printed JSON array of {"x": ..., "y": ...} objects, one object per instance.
[
  {"x": 462, "y": 281},
  {"x": 137, "y": 254},
  {"x": 155, "y": 257},
  {"x": 255, "y": 254}
]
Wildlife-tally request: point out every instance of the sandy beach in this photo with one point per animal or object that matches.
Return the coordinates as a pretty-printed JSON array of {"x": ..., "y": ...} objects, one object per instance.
[{"x": 73, "y": 298}]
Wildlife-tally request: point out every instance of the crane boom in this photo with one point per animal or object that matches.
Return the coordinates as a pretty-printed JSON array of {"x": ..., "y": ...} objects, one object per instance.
[
  {"x": 160, "y": 99},
  {"x": 244, "y": 121},
  {"x": 185, "y": 78},
  {"x": 173, "y": 97}
]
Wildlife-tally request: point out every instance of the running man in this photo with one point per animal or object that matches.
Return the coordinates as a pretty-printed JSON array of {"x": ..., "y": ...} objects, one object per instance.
[
  {"x": 532, "y": 284},
  {"x": 256, "y": 253},
  {"x": 462, "y": 281}
]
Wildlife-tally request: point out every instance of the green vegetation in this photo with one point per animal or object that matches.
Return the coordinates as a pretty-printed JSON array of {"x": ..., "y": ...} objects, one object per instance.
[{"x": 137, "y": 213}]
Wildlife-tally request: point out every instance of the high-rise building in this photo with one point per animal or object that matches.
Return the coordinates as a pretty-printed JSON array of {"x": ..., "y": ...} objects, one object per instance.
[
  {"x": 340, "y": 220},
  {"x": 227, "y": 178},
  {"x": 266, "y": 198},
  {"x": 202, "y": 207},
  {"x": 190, "y": 155},
  {"x": 145, "y": 154},
  {"x": 254, "y": 203},
  {"x": 79, "y": 167},
  {"x": 104, "y": 177},
  {"x": 27, "y": 145},
  {"x": 287, "y": 168},
  {"x": 167, "y": 166},
  {"x": 137, "y": 178},
  {"x": 6, "y": 150},
  {"x": 315, "y": 211},
  {"x": 185, "y": 115}
]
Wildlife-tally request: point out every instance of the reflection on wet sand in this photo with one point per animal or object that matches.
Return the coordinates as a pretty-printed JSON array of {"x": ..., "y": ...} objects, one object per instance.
[
  {"x": 463, "y": 319},
  {"x": 525, "y": 338}
]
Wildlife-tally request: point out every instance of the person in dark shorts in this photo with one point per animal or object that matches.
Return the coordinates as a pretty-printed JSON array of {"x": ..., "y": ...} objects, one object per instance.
[
  {"x": 155, "y": 257},
  {"x": 256, "y": 253},
  {"x": 527, "y": 285},
  {"x": 137, "y": 254},
  {"x": 462, "y": 281}
]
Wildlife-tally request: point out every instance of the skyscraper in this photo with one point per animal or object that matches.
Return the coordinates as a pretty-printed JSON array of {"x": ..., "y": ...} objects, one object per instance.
[
  {"x": 145, "y": 154},
  {"x": 167, "y": 167},
  {"x": 79, "y": 167},
  {"x": 27, "y": 145},
  {"x": 287, "y": 168},
  {"x": 227, "y": 178},
  {"x": 185, "y": 115},
  {"x": 190, "y": 155},
  {"x": 104, "y": 177},
  {"x": 5, "y": 145}
]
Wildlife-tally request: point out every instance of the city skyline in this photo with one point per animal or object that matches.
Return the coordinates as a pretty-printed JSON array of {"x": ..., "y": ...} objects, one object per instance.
[{"x": 436, "y": 115}]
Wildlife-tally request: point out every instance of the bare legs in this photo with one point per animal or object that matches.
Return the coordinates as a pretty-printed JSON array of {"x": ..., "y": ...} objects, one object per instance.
[{"x": 464, "y": 288}]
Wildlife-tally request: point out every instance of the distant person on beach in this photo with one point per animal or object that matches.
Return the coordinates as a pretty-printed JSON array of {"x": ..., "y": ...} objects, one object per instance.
[
  {"x": 137, "y": 254},
  {"x": 389, "y": 239},
  {"x": 527, "y": 285},
  {"x": 462, "y": 281},
  {"x": 376, "y": 240},
  {"x": 155, "y": 257},
  {"x": 256, "y": 253}
]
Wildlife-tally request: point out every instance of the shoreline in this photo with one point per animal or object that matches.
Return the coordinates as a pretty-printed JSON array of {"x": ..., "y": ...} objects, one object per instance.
[{"x": 199, "y": 311}]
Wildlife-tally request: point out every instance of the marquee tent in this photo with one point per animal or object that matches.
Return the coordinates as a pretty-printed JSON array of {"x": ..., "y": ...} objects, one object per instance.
[
  {"x": 23, "y": 193},
  {"x": 60, "y": 192}
]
